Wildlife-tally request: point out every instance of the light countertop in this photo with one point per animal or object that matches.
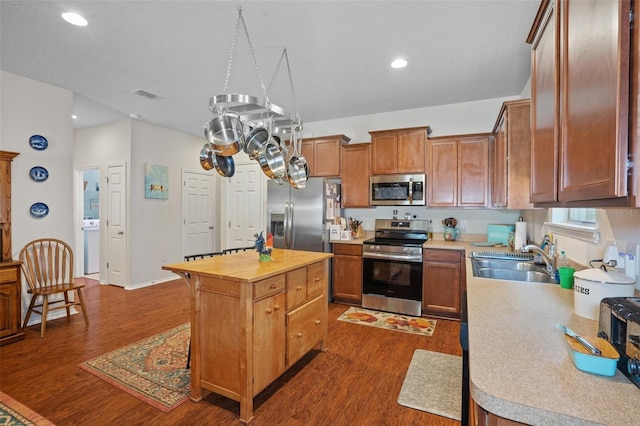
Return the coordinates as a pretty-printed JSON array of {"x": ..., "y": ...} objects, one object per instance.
[{"x": 520, "y": 368}]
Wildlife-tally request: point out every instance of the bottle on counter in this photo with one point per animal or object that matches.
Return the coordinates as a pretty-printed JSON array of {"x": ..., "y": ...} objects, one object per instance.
[
  {"x": 563, "y": 262},
  {"x": 430, "y": 230}
]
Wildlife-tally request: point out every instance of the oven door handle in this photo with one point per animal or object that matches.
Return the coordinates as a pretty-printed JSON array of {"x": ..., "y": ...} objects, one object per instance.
[{"x": 400, "y": 257}]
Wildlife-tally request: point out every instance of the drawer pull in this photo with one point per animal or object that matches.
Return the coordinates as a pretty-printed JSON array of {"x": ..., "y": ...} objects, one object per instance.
[
  {"x": 272, "y": 286},
  {"x": 317, "y": 322},
  {"x": 299, "y": 335}
]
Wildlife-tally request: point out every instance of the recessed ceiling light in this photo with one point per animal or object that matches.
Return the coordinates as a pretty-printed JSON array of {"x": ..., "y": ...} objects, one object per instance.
[
  {"x": 399, "y": 63},
  {"x": 74, "y": 116},
  {"x": 75, "y": 19}
]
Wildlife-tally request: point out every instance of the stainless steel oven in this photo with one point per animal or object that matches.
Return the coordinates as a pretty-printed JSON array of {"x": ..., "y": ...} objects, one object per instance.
[{"x": 392, "y": 267}]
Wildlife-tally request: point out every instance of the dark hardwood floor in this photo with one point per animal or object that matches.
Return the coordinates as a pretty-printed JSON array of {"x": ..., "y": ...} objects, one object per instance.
[{"x": 356, "y": 382}]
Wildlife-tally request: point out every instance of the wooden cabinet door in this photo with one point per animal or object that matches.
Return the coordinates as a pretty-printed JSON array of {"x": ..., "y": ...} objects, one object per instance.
[
  {"x": 595, "y": 98},
  {"x": 443, "y": 173},
  {"x": 304, "y": 329},
  {"x": 326, "y": 157},
  {"x": 347, "y": 273},
  {"x": 473, "y": 169},
  {"x": 306, "y": 149},
  {"x": 499, "y": 169},
  {"x": 442, "y": 282},
  {"x": 8, "y": 304},
  {"x": 268, "y": 341},
  {"x": 384, "y": 153},
  {"x": 411, "y": 149},
  {"x": 545, "y": 92},
  {"x": 355, "y": 172}
]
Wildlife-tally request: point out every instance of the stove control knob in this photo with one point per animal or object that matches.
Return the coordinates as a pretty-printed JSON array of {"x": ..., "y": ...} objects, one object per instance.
[{"x": 408, "y": 250}]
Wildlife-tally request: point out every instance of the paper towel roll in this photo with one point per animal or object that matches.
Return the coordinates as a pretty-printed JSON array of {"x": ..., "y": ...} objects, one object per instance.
[{"x": 521, "y": 235}]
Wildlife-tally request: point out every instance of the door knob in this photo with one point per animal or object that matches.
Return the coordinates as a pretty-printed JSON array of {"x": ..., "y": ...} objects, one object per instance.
[{"x": 121, "y": 233}]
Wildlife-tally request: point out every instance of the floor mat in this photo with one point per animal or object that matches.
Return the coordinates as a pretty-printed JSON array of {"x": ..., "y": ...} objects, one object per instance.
[
  {"x": 433, "y": 383},
  {"x": 389, "y": 321}
]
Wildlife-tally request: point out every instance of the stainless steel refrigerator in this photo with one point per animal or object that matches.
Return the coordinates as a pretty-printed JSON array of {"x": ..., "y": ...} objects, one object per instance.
[{"x": 297, "y": 217}]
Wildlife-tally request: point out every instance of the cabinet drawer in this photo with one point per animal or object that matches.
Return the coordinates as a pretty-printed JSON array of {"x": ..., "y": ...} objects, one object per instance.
[
  {"x": 296, "y": 288},
  {"x": 316, "y": 280},
  {"x": 348, "y": 249},
  {"x": 8, "y": 275},
  {"x": 305, "y": 329},
  {"x": 442, "y": 255},
  {"x": 268, "y": 286}
]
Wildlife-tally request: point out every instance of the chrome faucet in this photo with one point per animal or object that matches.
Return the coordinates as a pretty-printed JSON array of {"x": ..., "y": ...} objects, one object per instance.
[{"x": 532, "y": 248}]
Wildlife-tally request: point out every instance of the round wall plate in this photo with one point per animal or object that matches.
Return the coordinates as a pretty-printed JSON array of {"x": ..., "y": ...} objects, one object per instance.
[
  {"x": 39, "y": 143},
  {"x": 39, "y": 173},
  {"x": 39, "y": 210}
]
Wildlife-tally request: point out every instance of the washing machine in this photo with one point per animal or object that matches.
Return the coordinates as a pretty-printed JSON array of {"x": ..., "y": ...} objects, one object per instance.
[{"x": 91, "y": 229}]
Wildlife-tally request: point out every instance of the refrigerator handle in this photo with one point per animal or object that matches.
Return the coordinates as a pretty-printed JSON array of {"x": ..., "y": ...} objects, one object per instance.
[
  {"x": 286, "y": 224},
  {"x": 291, "y": 231}
]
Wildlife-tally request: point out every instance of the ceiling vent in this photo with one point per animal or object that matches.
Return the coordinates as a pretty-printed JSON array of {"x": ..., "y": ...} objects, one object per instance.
[{"x": 146, "y": 94}]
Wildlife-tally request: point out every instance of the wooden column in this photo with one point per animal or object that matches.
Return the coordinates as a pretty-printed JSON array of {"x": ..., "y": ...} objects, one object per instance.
[{"x": 5, "y": 203}]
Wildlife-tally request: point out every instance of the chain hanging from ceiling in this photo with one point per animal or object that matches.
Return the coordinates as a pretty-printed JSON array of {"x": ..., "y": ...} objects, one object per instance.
[{"x": 255, "y": 126}]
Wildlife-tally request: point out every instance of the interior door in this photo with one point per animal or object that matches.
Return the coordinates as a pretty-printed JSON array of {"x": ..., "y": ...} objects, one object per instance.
[
  {"x": 198, "y": 193},
  {"x": 244, "y": 214},
  {"x": 116, "y": 225}
]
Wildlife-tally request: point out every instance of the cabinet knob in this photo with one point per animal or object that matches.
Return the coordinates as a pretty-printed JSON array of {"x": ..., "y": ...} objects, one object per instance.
[
  {"x": 299, "y": 288},
  {"x": 299, "y": 335},
  {"x": 276, "y": 308},
  {"x": 268, "y": 310},
  {"x": 272, "y": 286},
  {"x": 317, "y": 280},
  {"x": 317, "y": 322}
]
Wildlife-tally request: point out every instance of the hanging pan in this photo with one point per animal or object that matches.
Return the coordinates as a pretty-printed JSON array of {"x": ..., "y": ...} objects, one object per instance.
[
  {"x": 225, "y": 133},
  {"x": 225, "y": 166},
  {"x": 296, "y": 171},
  {"x": 272, "y": 160}
]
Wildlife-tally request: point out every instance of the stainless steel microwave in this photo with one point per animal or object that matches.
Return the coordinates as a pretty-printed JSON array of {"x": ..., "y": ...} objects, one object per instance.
[{"x": 398, "y": 190}]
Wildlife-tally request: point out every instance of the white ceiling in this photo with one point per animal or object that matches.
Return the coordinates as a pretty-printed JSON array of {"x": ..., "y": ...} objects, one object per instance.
[{"x": 339, "y": 52}]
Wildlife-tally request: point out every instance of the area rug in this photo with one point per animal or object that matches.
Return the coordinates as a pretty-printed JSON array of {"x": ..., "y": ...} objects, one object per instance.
[
  {"x": 13, "y": 412},
  {"x": 397, "y": 322},
  {"x": 433, "y": 384},
  {"x": 153, "y": 370}
]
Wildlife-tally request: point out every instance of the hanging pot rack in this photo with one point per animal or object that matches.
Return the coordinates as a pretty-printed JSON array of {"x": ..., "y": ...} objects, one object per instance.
[{"x": 253, "y": 112}]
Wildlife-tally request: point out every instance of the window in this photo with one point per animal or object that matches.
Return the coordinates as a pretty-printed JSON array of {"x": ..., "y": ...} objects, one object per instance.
[{"x": 580, "y": 223}]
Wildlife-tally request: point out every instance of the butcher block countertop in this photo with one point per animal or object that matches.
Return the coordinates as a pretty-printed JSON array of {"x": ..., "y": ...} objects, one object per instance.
[{"x": 245, "y": 267}]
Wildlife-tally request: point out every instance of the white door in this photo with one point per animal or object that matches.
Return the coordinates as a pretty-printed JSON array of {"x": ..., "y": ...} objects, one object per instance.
[
  {"x": 116, "y": 225},
  {"x": 245, "y": 205},
  {"x": 198, "y": 193}
]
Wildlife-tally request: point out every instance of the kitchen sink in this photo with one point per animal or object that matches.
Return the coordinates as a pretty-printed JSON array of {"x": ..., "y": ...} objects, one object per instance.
[
  {"x": 514, "y": 275},
  {"x": 505, "y": 266}
]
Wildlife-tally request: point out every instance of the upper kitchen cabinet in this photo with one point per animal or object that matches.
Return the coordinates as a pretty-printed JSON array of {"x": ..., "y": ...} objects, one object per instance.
[
  {"x": 458, "y": 171},
  {"x": 323, "y": 155},
  {"x": 511, "y": 156},
  {"x": 356, "y": 169},
  {"x": 398, "y": 151},
  {"x": 580, "y": 87}
]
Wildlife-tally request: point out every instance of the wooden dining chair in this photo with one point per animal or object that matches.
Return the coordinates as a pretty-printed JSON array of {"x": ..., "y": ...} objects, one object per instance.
[{"x": 47, "y": 264}]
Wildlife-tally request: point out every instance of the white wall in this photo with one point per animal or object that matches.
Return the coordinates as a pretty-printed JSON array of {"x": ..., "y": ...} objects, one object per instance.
[
  {"x": 28, "y": 108},
  {"x": 452, "y": 119},
  {"x": 155, "y": 226}
]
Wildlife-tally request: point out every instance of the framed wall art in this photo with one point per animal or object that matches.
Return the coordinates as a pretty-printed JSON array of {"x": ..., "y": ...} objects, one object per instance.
[{"x": 156, "y": 181}]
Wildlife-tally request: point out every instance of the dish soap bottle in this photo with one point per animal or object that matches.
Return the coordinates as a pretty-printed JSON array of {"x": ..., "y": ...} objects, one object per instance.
[
  {"x": 430, "y": 231},
  {"x": 563, "y": 262}
]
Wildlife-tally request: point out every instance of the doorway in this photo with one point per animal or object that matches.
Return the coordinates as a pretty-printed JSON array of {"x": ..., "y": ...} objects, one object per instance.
[{"x": 91, "y": 223}]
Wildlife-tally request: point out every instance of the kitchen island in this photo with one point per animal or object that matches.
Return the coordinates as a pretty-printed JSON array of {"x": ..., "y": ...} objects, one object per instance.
[{"x": 251, "y": 320}]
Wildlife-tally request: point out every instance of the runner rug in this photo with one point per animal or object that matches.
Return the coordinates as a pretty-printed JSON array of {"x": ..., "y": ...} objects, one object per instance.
[
  {"x": 13, "y": 412},
  {"x": 153, "y": 370},
  {"x": 433, "y": 384},
  {"x": 389, "y": 321}
]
